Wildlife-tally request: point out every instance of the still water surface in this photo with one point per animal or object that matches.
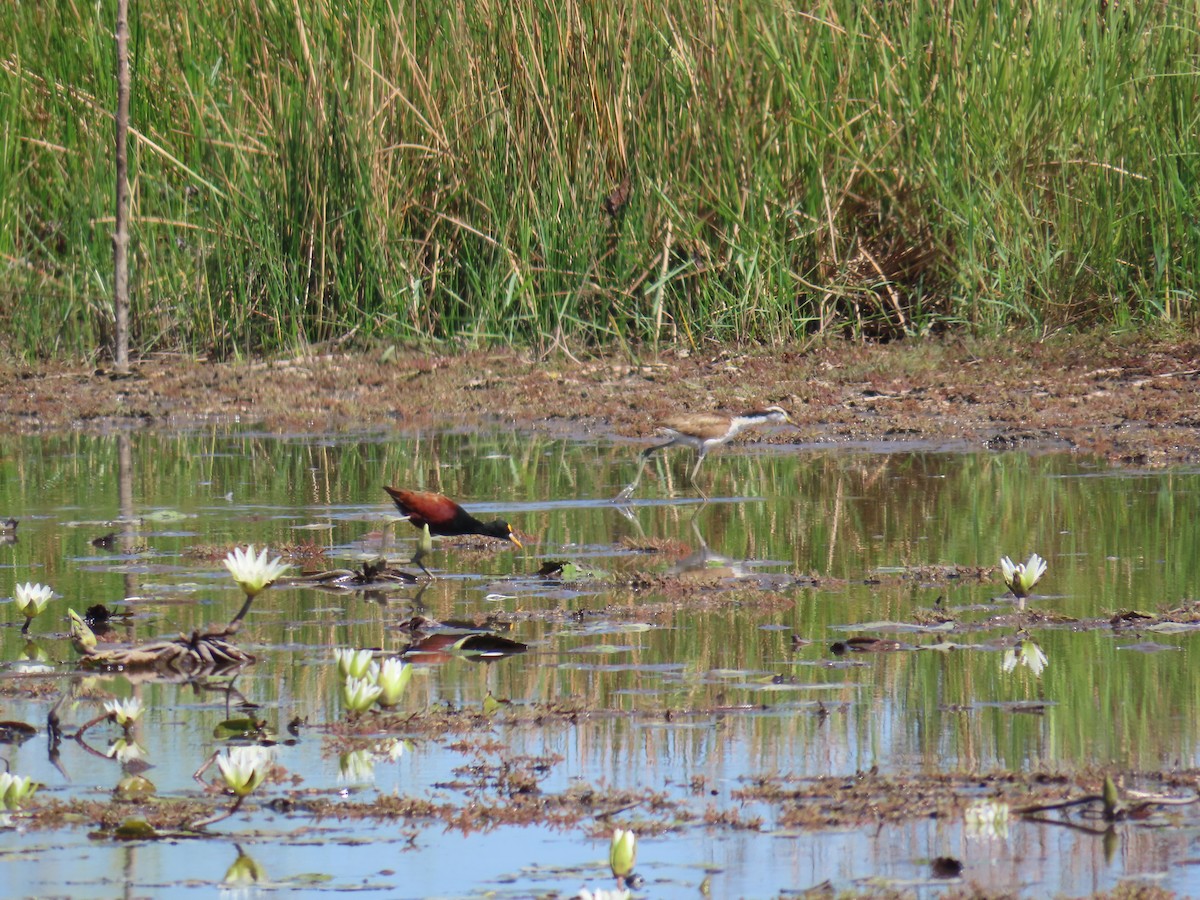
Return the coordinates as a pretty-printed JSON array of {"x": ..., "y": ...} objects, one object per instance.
[{"x": 846, "y": 543}]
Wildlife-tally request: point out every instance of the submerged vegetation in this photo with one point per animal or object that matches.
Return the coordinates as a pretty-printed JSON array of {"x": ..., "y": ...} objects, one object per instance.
[{"x": 605, "y": 174}]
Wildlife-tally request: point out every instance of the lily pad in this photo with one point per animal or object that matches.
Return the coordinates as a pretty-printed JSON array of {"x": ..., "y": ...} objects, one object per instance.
[
  {"x": 134, "y": 830},
  {"x": 240, "y": 728},
  {"x": 16, "y": 732},
  {"x": 569, "y": 571}
]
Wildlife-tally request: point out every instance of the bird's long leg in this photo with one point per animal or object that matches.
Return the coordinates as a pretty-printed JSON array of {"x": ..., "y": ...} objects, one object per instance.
[
  {"x": 695, "y": 471},
  {"x": 643, "y": 457}
]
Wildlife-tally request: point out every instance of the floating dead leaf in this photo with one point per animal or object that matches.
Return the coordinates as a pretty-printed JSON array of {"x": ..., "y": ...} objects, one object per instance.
[
  {"x": 1130, "y": 617},
  {"x": 203, "y": 653}
]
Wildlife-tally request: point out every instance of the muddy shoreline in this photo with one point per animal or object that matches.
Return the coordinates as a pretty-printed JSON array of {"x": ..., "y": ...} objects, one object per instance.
[{"x": 1131, "y": 400}]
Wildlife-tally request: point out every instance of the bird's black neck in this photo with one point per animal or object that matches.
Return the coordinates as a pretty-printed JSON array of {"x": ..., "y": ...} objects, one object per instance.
[{"x": 497, "y": 528}]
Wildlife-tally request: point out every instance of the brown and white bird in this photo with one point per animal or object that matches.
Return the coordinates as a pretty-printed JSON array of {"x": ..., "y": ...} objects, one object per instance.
[
  {"x": 437, "y": 514},
  {"x": 702, "y": 432}
]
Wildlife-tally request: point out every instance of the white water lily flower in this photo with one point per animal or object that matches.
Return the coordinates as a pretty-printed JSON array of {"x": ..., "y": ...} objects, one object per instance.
[
  {"x": 254, "y": 574},
  {"x": 604, "y": 894},
  {"x": 359, "y": 694},
  {"x": 354, "y": 663},
  {"x": 356, "y": 767},
  {"x": 126, "y": 711},
  {"x": 394, "y": 676},
  {"x": 1027, "y": 654},
  {"x": 622, "y": 852},
  {"x": 124, "y": 751},
  {"x": 244, "y": 768},
  {"x": 15, "y": 790},
  {"x": 1021, "y": 577},
  {"x": 389, "y": 750},
  {"x": 987, "y": 819},
  {"x": 31, "y": 598}
]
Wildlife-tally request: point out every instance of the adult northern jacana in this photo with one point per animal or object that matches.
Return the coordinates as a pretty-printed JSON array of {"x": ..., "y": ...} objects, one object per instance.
[
  {"x": 437, "y": 514},
  {"x": 702, "y": 432}
]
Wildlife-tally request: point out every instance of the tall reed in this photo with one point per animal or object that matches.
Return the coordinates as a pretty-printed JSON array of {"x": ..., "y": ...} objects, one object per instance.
[{"x": 531, "y": 173}]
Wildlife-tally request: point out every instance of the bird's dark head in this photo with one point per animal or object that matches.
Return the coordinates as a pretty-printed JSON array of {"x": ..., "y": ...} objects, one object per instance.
[{"x": 501, "y": 529}]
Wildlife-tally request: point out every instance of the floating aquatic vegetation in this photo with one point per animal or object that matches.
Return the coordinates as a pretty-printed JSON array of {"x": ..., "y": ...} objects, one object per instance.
[
  {"x": 201, "y": 653},
  {"x": 134, "y": 787},
  {"x": 245, "y": 728},
  {"x": 16, "y": 732}
]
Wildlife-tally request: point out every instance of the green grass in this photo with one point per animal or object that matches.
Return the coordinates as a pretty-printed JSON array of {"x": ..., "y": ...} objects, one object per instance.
[{"x": 430, "y": 171}]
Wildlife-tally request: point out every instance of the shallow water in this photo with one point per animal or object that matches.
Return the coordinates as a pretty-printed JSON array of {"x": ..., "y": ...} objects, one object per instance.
[{"x": 835, "y": 543}]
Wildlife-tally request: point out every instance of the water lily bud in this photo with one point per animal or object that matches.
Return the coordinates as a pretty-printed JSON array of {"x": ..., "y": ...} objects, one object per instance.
[
  {"x": 353, "y": 663},
  {"x": 82, "y": 637},
  {"x": 359, "y": 694},
  {"x": 394, "y": 676},
  {"x": 622, "y": 852},
  {"x": 15, "y": 790}
]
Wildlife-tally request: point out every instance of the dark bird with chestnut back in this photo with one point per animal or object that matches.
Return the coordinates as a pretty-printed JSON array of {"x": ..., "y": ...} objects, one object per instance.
[{"x": 444, "y": 518}]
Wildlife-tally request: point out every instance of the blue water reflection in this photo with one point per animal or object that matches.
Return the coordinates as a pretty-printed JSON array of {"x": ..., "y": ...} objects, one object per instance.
[{"x": 695, "y": 643}]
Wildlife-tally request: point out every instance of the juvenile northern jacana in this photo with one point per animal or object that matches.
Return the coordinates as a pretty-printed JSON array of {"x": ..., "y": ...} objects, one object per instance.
[
  {"x": 702, "y": 432},
  {"x": 437, "y": 514}
]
